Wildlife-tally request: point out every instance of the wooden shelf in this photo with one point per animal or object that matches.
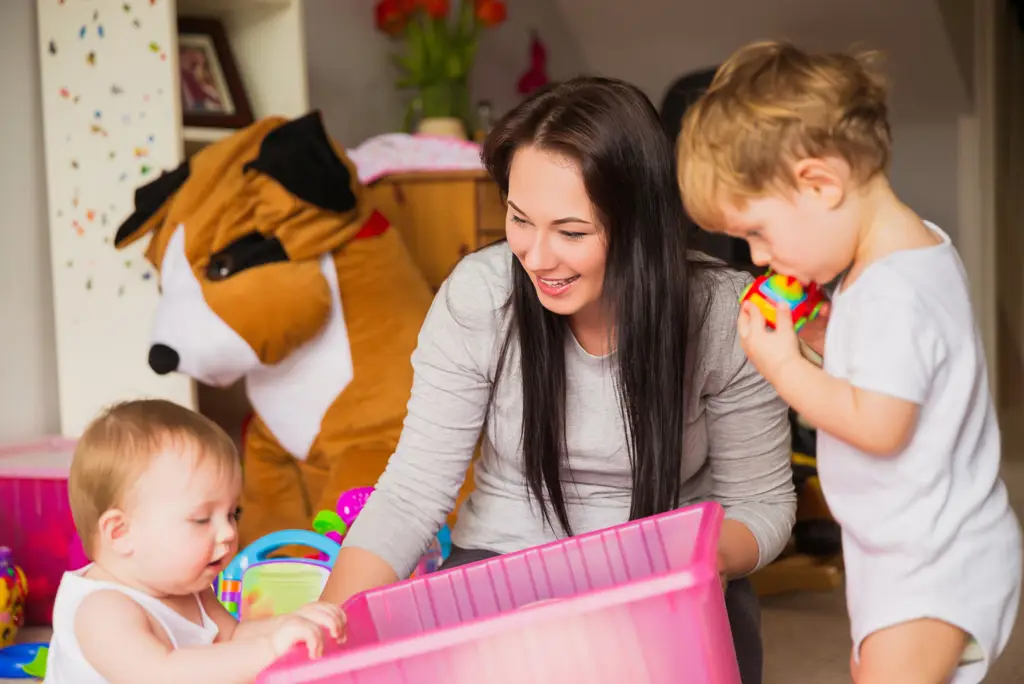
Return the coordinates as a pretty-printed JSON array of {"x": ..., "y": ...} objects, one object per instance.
[
  {"x": 215, "y": 8},
  {"x": 196, "y": 134}
]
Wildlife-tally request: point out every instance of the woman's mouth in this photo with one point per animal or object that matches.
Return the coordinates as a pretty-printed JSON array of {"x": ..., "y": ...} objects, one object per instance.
[{"x": 553, "y": 287}]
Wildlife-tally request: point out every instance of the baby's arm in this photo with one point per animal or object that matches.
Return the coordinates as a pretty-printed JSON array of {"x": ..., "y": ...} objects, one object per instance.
[
  {"x": 325, "y": 615},
  {"x": 117, "y": 639}
]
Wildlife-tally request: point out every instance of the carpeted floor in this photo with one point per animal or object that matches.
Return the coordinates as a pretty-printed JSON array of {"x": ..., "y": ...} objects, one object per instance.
[{"x": 807, "y": 639}]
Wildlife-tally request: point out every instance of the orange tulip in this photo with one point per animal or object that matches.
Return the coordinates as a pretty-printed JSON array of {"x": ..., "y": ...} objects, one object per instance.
[{"x": 491, "y": 12}]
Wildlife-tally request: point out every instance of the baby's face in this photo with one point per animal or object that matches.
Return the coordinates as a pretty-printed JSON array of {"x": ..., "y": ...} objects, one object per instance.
[{"x": 183, "y": 521}]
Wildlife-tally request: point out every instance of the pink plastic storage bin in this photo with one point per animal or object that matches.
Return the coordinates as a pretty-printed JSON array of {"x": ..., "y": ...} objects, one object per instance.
[
  {"x": 639, "y": 603},
  {"x": 35, "y": 518}
]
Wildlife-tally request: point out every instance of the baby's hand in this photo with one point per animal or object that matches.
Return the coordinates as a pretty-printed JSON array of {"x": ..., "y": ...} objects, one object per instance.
[
  {"x": 296, "y": 629},
  {"x": 326, "y": 615}
]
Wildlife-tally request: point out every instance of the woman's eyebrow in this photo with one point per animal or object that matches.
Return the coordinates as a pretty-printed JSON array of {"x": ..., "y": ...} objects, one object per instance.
[{"x": 557, "y": 222}]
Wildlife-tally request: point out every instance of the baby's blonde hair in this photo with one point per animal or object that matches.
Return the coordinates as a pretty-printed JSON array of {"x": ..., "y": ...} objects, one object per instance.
[
  {"x": 769, "y": 106},
  {"x": 117, "y": 447}
]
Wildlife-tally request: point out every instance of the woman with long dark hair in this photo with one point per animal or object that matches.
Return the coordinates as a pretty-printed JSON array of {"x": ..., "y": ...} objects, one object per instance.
[{"x": 597, "y": 357}]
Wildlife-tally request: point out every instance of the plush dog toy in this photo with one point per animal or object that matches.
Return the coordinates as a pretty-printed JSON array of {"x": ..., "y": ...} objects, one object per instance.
[{"x": 274, "y": 267}]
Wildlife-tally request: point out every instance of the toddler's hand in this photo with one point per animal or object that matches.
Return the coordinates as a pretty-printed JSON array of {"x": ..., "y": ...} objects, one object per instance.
[
  {"x": 296, "y": 629},
  {"x": 326, "y": 615},
  {"x": 769, "y": 350}
]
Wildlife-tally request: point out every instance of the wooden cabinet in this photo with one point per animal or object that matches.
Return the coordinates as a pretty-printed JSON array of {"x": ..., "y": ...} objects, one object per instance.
[{"x": 443, "y": 216}]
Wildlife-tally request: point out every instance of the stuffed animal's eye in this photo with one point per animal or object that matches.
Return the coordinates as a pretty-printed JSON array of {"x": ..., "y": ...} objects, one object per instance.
[
  {"x": 220, "y": 267},
  {"x": 249, "y": 251}
]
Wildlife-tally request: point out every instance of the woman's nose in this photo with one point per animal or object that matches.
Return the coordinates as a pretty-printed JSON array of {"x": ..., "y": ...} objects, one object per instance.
[{"x": 539, "y": 257}]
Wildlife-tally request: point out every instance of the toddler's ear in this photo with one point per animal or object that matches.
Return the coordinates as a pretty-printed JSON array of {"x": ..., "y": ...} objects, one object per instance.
[
  {"x": 823, "y": 179},
  {"x": 113, "y": 531}
]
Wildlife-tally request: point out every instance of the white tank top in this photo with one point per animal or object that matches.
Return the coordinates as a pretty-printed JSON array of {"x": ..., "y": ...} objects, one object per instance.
[{"x": 65, "y": 663}]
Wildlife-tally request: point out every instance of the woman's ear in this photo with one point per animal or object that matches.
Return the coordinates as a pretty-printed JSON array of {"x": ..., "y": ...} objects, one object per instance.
[
  {"x": 823, "y": 180},
  {"x": 113, "y": 531}
]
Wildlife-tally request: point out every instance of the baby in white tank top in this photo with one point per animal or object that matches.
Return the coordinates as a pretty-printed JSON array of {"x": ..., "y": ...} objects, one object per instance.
[{"x": 154, "y": 493}]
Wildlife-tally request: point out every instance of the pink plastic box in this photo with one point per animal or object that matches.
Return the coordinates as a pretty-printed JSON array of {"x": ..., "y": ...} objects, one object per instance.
[
  {"x": 35, "y": 519},
  {"x": 639, "y": 603}
]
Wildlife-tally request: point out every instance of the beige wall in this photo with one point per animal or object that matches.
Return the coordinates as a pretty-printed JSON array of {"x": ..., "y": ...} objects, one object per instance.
[{"x": 28, "y": 378}]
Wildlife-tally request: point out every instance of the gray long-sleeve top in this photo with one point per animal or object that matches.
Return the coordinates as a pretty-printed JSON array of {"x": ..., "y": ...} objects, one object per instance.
[{"x": 736, "y": 442}]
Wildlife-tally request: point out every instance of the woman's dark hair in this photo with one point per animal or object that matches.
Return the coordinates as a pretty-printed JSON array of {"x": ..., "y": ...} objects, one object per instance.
[{"x": 611, "y": 130}]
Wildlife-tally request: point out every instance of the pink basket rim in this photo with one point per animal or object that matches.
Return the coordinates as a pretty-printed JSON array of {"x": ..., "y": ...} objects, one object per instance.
[
  {"x": 52, "y": 443},
  {"x": 702, "y": 572}
]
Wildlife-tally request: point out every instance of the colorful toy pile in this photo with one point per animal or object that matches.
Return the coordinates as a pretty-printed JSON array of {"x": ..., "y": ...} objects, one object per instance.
[
  {"x": 13, "y": 592},
  {"x": 259, "y": 584},
  {"x": 771, "y": 288},
  {"x": 17, "y": 661}
]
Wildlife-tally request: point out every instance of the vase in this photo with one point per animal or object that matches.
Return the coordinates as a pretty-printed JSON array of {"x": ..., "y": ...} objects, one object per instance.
[{"x": 442, "y": 126}]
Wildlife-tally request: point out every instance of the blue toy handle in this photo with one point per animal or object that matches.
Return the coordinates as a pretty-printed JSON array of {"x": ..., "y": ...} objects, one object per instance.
[
  {"x": 266, "y": 545},
  {"x": 16, "y": 659}
]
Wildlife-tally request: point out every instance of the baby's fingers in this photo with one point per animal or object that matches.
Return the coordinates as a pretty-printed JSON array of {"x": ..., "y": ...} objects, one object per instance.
[
  {"x": 314, "y": 640},
  {"x": 328, "y": 616}
]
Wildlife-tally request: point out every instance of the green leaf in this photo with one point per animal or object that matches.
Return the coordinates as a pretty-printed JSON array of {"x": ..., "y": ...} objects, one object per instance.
[{"x": 410, "y": 113}]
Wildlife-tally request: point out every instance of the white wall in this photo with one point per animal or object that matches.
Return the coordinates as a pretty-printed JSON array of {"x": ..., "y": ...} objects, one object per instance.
[{"x": 28, "y": 375}]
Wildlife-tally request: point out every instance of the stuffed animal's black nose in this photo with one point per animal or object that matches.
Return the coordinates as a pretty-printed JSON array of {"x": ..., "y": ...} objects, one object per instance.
[{"x": 163, "y": 359}]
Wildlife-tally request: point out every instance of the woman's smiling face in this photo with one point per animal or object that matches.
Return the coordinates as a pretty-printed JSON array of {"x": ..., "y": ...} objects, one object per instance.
[{"x": 552, "y": 229}]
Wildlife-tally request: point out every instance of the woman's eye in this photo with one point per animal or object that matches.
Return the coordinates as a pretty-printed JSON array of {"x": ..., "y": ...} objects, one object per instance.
[
  {"x": 572, "y": 236},
  {"x": 517, "y": 220}
]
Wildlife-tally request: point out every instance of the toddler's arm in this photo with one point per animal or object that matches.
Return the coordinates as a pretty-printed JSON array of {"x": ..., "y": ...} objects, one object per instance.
[
  {"x": 117, "y": 639},
  {"x": 890, "y": 352},
  {"x": 872, "y": 422}
]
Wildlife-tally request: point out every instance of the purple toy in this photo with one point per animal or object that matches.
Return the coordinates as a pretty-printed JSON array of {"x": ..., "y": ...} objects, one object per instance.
[{"x": 351, "y": 503}]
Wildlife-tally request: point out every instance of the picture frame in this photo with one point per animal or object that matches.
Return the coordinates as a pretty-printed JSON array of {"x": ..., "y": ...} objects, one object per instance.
[{"x": 212, "y": 92}]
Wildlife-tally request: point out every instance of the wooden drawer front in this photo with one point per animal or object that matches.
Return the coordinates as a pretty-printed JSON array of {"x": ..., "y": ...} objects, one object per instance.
[{"x": 490, "y": 208}]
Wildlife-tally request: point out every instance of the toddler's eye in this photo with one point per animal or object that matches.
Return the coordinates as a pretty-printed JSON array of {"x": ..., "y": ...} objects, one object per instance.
[
  {"x": 237, "y": 513},
  {"x": 200, "y": 521}
]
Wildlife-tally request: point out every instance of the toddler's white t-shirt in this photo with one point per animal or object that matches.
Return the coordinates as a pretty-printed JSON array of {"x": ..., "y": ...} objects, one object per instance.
[{"x": 927, "y": 532}]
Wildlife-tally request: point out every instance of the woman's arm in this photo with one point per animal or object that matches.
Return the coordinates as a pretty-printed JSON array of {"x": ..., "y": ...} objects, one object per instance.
[
  {"x": 445, "y": 415},
  {"x": 749, "y": 448}
]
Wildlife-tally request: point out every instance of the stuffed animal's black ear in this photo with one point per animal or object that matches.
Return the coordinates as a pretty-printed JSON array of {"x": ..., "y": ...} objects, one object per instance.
[
  {"x": 149, "y": 199},
  {"x": 299, "y": 156}
]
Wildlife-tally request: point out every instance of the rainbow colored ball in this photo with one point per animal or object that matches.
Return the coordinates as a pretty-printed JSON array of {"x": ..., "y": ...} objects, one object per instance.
[{"x": 771, "y": 288}]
